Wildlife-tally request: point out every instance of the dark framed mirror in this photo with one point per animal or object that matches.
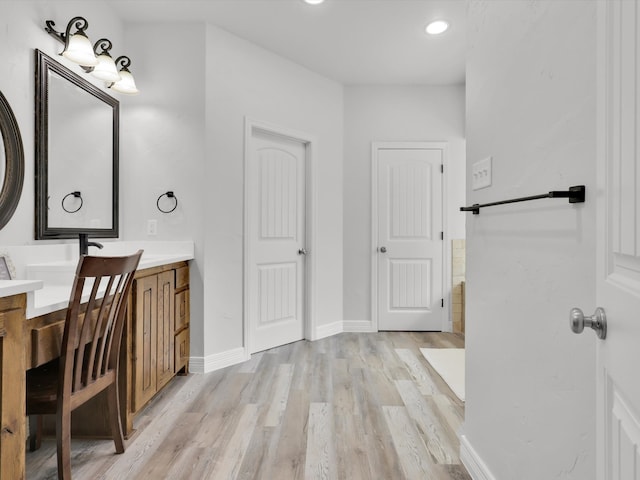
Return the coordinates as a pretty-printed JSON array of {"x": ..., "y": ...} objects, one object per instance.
[
  {"x": 11, "y": 162},
  {"x": 77, "y": 145}
]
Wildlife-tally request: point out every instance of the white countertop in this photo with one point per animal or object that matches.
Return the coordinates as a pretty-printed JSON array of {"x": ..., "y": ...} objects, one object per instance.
[
  {"x": 9, "y": 288},
  {"x": 147, "y": 261},
  {"x": 48, "y": 270},
  {"x": 54, "y": 295}
]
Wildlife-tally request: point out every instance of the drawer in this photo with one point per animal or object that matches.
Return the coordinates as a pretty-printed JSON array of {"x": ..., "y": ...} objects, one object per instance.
[
  {"x": 46, "y": 342},
  {"x": 182, "y": 277},
  {"x": 181, "y": 310},
  {"x": 14, "y": 301},
  {"x": 181, "y": 346}
]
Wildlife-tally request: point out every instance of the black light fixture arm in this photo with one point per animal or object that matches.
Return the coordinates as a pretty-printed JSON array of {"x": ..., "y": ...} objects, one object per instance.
[
  {"x": 105, "y": 45},
  {"x": 124, "y": 62},
  {"x": 575, "y": 194},
  {"x": 80, "y": 23}
]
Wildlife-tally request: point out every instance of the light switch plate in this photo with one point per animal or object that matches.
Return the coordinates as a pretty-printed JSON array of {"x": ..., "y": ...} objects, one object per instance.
[
  {"x": 152, "y": 227},
  {"x": 481, "y": 174}
]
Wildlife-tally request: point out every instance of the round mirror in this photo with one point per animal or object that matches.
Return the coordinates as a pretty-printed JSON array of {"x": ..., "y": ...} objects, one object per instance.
[{"x": 11, "y": 162}]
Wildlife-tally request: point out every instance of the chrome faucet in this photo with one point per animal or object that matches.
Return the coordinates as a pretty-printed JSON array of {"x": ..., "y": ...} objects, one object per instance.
[{"x": 85, "y": 244}]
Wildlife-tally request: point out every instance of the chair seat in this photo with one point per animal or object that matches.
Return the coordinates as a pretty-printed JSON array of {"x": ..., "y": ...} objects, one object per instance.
[{"x": 42, "y": 388}]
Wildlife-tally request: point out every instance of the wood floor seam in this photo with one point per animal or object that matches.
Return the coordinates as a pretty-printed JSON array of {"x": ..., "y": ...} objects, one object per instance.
[{"x": 354, "y": 406}]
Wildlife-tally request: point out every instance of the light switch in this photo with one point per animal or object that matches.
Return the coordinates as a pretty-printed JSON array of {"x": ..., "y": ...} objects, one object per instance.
[
  {"x": 152, "y": 227},
  {"x": 481, "y": 174}
]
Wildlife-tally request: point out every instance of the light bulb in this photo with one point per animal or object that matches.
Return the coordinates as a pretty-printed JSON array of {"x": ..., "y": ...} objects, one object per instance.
[{"x": 437, "y": 27}]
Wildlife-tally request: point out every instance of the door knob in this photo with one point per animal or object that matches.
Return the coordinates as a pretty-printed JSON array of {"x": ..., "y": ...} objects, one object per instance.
[
  {"x": 597, "y": 321},
  {"x": 383, "y": 249},
  {"x": 302, "y": 251}
]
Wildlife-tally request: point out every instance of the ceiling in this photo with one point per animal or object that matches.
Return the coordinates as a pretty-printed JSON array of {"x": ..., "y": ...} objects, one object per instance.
[{"x": 355, "y": 42}]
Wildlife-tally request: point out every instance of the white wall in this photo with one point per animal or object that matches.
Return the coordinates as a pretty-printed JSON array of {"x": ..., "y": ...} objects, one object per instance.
[
  {"x": 22, "y": 31},
  {"x": 187, "y": 135},
  {"x": 531, "y": 105},
  {"x": 398, "y": 114},
  {"x": 163, "y": 146},
  {"x": 243, "y": 80},
  {"x": 185, "y": 132}
]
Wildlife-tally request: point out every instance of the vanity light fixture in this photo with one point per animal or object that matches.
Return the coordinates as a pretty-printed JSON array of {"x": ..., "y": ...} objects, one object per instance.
[
  {"x": 106, "y": 68},
  {"x": 77, "y": 46},
  {"x": 437, "y": 27},
  {"x": 94, "y": 59},
  {"x": 314, "y": 2},
  {"x": 126, "y": 84}
]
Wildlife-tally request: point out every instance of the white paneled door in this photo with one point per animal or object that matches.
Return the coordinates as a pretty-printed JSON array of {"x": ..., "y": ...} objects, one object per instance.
[
  {"x": 618, "y": 283},
  {"x": 276, "y": 230},
  {"x": 409, "y": 238}
]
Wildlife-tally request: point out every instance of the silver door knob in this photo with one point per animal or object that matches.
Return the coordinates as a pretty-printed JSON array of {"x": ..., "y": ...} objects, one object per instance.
[
  {"x": 302, "y": 251},
  {"x": 383, "y": 249},
  {"x": 597, "y": 321}
]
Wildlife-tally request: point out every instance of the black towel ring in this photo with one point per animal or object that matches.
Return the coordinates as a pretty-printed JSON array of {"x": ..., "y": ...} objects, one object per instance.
[
  {"x": 168, "y": 195},
  {"x": 76, "y": 195}
]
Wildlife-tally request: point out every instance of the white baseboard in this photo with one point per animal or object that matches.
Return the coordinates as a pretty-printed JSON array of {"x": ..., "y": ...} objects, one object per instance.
[
  {"x": 472, "y": 461},
  {"x": 323, "y": 331},
  {"x": 217, "y": 361},
  {"x": 359, "y": 326}
]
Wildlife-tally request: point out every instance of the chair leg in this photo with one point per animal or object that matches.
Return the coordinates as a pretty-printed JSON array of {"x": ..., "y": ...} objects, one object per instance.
[
  {"x": 113, "y": 402},
  {"x": 35, "y": 432},
  {"x": 63, "y": 437}
]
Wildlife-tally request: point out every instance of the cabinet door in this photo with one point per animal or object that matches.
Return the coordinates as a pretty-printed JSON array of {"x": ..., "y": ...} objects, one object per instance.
[
  {"x": 182, "y": 351},
  {"x": 145, "y": 307},
  {"x": 165, "y": 333},
  {"x": 182, "y": 310}
]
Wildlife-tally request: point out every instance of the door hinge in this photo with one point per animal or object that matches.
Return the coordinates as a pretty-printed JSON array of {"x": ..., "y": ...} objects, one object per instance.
[
  {"x": 442, "y": 302},
  {"x": 442, "y": 168},
  {"x": 441, "y": 235}
]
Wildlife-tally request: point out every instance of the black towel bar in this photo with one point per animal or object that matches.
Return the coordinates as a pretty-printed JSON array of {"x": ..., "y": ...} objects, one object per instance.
[{"x": 575, "y": 194}]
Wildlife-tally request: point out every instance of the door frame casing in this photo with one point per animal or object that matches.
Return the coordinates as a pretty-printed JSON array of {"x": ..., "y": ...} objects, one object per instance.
[
  {"x": 446, "y": 265},
  {"x": 309, "y": 143}
]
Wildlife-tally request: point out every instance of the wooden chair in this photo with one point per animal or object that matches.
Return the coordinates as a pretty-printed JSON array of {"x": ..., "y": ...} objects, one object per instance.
[{"x": 89, "y": 354}]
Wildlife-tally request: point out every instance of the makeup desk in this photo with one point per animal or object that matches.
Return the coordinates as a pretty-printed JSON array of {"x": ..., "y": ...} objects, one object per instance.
[{"x": 32, "y": 314}]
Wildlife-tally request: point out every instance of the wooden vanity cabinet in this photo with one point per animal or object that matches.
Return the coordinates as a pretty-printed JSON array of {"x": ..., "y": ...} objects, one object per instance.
[
  {"x": 181, "y": 321},
  {"x": 12, "y": 386},
  {"x": 155, "y": 346},
  {"x": 153, "y": 335},
  {"x": 157, "y": 335}
]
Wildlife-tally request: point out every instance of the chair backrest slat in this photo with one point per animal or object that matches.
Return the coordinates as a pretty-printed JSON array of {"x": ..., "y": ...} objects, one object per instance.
[
  {"x": 99, "y": 331},
  {"x": 90, "y": 350},
  {"x": 102, "y": 365},
  {"x": 85, "y": 331}
]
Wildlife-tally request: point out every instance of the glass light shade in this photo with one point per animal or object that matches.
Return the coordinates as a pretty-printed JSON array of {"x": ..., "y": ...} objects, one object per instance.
[
  {"x": 314, "y": 2},
  {"x": 80, "y": 51},
  {"x": 106, "y": 69},
  {"x": 126, "y": 84}
]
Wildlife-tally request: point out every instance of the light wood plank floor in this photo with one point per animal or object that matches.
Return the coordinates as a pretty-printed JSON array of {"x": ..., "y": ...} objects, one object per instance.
[{"x": 352, "y": 406}]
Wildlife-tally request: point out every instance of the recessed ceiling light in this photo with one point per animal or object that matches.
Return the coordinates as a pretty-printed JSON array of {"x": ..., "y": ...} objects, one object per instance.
[
  {"x": 313, "y": 2},
  {"x": 437, "y": 27}
]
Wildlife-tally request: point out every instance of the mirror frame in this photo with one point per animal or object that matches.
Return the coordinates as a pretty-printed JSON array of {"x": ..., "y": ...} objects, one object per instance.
[
  {"x": 14, "y": 160},
  {"x": 45, "y": 64}
]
